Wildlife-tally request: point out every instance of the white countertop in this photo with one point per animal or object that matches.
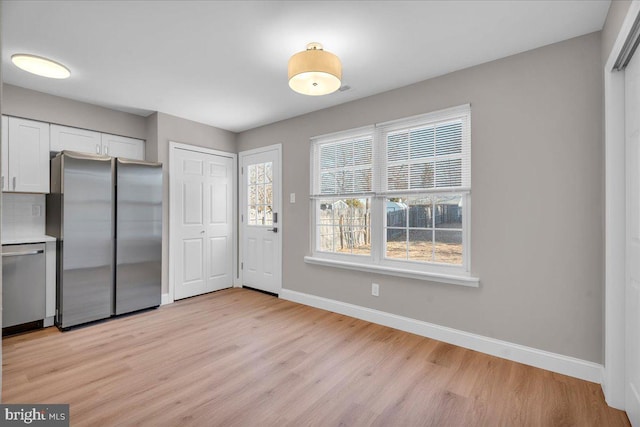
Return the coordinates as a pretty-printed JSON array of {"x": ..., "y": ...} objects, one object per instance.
[{"x": 27, "y": 239}]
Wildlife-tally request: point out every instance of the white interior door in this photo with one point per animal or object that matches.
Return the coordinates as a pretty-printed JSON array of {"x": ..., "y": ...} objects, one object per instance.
[
  {"x": 203, "y": 209},
  {"x": 261, "y": 219},
  {"x": 632, "y": 291}
]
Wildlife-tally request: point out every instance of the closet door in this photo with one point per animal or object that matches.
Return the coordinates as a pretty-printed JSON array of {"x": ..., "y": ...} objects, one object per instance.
[
  {"x": 203, "y": 207},
  {"x": 632, "y": 286}
]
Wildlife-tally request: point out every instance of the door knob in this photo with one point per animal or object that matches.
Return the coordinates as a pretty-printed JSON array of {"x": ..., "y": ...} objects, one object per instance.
[{"x": 274, "y": 229}]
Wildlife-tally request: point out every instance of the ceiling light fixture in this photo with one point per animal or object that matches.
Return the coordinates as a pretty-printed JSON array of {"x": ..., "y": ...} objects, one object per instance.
[
  {"x": 314, "y": 71},
  {"x": 40, "y": 66}
]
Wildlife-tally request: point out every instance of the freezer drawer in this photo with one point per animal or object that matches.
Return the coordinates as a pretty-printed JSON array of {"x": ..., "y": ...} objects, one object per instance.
[{"x": 23, "y": 284}]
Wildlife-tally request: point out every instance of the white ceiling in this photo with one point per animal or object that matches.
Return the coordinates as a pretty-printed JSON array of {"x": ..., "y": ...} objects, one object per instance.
[{"x": 224, "y": 63}]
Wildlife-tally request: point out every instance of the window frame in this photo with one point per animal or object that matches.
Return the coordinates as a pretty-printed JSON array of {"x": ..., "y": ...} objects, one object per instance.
[{"x": 376, "y": 261}]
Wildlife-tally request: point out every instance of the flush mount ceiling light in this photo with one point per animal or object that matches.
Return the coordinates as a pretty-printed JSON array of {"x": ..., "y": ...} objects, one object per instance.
[
  {"x": 315, "y": 71},
  {"x": 40, "y": 66}
]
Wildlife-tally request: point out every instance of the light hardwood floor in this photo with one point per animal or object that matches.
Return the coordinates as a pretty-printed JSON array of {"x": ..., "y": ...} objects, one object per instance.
[{"x": 242, "y": 358}]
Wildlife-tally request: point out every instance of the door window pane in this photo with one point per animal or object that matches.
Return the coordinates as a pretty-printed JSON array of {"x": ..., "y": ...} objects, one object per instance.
[{"x": 260, "y": 194}]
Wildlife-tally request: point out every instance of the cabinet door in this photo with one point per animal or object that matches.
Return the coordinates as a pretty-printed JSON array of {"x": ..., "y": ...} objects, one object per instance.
[
  {"x": 74, "y": 139},
  {"x": 120, "y": 146},
  {"x": 28, "y": 156},
  {"x": 5, "y": 153}
]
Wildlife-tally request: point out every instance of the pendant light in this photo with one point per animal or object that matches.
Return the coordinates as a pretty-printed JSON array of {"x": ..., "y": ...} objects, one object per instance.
[{"x": 314, "y": 71}]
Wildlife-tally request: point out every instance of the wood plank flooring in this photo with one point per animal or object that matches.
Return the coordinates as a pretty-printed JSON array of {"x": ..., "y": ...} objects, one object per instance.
[{"x": 242, "y": 358}]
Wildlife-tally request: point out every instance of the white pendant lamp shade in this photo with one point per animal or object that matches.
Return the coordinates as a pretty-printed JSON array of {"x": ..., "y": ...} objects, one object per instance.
[
  {"x": 40, "y": 66},
  {"x": 314, "y": 71}
]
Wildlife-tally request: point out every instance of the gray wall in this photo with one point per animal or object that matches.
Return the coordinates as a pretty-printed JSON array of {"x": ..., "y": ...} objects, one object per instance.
[
  {"x": 30, "y": 104},
  {"x": 171, "y": 128},
  {"x": 151, "y": 146},
  {"x": 536, "y": 226}
]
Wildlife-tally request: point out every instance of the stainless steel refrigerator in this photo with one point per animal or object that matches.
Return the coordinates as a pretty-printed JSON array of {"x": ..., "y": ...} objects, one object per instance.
[{"x": 106, "y": 214}]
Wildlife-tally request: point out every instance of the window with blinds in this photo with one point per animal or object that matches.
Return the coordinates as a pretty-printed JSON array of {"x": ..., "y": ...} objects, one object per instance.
[
  {"x": 397, "y": 192},
  {"x": 345, "y": 166},
  {"x": 427, "y": 153},
  {"x": 342, "y": 189}
]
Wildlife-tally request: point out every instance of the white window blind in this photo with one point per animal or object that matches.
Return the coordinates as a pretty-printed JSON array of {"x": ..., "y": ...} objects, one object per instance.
[
  {"x": 343, "y": 165},
  {"x": 428, "y": 153}
]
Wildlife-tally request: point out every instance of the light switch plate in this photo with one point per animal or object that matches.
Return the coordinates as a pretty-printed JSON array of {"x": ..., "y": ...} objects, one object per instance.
[
  {"x": 292, "y": 198},
  {"x": 36, "y": 210}
]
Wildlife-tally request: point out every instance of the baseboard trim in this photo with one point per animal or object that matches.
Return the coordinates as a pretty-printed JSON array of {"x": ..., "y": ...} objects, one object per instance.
[
  {"x": 166, "y": 299},
  {"x": 554, "y": 362}
]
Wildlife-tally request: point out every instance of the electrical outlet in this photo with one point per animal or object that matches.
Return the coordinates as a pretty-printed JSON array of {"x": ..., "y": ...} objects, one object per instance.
[
  {"x": 375, "y": 289},
  {"x": 36, "y": 210}
]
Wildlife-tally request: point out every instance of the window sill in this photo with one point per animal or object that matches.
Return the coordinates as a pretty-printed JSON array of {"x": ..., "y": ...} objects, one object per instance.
[{"x": 454, "y": 279}]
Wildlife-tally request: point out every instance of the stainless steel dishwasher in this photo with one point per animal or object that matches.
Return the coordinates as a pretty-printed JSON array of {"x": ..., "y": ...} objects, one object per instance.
[{"x": 23, "y": 284}]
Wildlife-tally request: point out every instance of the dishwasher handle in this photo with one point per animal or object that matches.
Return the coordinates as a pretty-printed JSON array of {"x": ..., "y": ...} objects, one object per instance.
[{"x": 36, "y": 252}]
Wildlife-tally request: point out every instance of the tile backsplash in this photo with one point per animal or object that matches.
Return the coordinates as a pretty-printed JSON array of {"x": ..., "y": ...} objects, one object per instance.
[{"x": 22, "y": 215}]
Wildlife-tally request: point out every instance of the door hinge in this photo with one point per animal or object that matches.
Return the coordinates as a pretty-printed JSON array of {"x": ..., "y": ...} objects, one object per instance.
[
  {"x": 242, "y": 170},
  {"x": 242, "y": 266},
  {"x": 241, "y": 217}
]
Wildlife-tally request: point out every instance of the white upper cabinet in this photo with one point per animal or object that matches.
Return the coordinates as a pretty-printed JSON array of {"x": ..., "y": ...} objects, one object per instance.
[
  {"x": 120, "y": 146},
  {"x": 25, "y": 155},
  {"x": 74, "y": 139},
  {"x": 86, "y": 141}
]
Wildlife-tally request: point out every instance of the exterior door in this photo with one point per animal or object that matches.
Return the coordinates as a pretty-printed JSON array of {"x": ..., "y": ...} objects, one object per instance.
[
  {"x": 261, "y": 222},
  {"x": 203, "y": 205},
  {"x": 632, "y": 291}
]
